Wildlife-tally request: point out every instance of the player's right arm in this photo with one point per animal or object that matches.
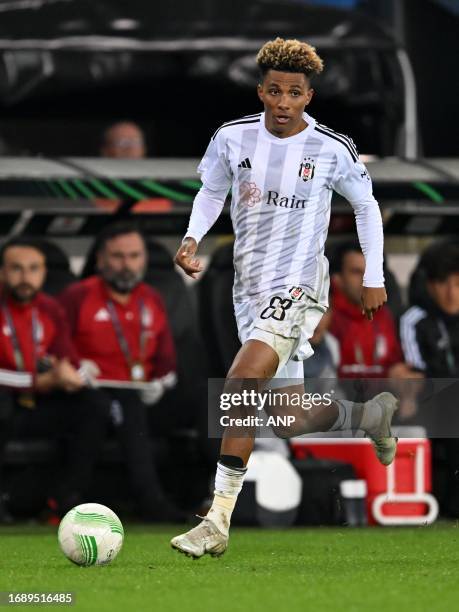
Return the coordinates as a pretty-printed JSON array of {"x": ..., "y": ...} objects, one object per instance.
[
  {"x": 216, "y": 180},
  {"x": 353, "y": 182}
]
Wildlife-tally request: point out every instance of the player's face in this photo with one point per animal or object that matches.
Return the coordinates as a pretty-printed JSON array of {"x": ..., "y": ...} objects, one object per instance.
[
  {"x": 23, "y": 272},
  {"x": 285, "y": 96},
  {"x": 446, "y": 294},
  {"x": 122, "y": 262},
  {"x": 351, "y": 276}
]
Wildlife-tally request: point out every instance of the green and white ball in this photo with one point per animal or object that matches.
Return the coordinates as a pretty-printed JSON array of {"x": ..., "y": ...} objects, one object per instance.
[{"x": 90, "y": 534}]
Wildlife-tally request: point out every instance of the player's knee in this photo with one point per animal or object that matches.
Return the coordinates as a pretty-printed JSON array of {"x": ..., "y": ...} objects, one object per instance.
[
  {"x": 260, "y": 369},
  {"x": 243, "y": 371}
]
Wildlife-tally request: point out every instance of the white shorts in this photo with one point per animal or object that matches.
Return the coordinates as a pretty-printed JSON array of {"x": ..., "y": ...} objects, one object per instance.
[{"x": 285, "y": 320}]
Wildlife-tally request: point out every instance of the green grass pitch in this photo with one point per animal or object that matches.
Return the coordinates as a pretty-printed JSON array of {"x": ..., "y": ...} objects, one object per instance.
[{"x": 337, "y": 570}]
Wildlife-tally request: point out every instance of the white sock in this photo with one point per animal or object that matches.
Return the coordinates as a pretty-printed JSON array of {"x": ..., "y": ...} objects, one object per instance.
[
  {"x": 357, "y": 415},
  {"x": 344, "y": 420},
  {"x": 228, "y": 485},
  {"x": 371, "y": 417}
]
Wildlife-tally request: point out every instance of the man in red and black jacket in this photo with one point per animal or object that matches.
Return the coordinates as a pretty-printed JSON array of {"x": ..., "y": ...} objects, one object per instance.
[
  {"x": 120, "y": 327},
  {"x": 368, "y": 349},
  {"x": 41, "y": 387}
]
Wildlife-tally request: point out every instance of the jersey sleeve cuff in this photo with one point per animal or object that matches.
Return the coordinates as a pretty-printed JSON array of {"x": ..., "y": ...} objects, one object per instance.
[
  {"x": 374, "y": 284},
  {"x": 198, "y": 240}
]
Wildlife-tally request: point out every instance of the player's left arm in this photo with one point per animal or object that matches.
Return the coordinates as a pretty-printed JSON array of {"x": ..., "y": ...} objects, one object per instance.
[{"x": 353, "y": 182}]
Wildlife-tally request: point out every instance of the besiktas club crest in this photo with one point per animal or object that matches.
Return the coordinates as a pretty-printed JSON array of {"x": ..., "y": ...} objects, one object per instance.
[{"x": 307, "y": 167}]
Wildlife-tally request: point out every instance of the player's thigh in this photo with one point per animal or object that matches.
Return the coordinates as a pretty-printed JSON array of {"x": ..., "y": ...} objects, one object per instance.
[
  {"x": 255, "y": 359},
  {"x": 287, "y": 321}
]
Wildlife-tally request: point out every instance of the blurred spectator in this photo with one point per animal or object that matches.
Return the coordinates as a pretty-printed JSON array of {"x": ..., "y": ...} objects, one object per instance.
[
  {"x": 430, "y": 340},
  {"x": 120, "y": 325},
  {"x": 430, "y": 329},
  {"x": 325, "y": 361},
  {"x": 42, "y": 391},
  {"x": 367, "y": 348},
  {"x": 123, "y": 140}
]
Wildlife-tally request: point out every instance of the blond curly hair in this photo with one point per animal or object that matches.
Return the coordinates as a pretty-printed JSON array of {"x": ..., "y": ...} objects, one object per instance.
[{"x": 289, "y": 56}]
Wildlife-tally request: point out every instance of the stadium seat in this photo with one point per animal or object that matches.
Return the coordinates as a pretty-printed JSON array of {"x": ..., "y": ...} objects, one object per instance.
[
  {"x": 58, "y": 265},
  {"x": 192, "y": 392},
  {"x": 216, "y": 313},
  {"x": 394, "y": 295}
]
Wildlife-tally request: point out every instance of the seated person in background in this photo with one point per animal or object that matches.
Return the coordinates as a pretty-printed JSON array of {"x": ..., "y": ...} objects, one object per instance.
[
  {"x": 41, "y": 390},
  {"x": 429, "y": 333},
  {"x": 325, "y": 361},
  {"x": 368, "y": 349},
  {"x": 321, "y": 369},
  {"x": 123, "y": 140},
  {"x": 120, "y": 324}
]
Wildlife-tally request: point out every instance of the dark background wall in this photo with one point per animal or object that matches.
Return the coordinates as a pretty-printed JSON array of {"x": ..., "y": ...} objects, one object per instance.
[
  {"x": 432, "y": 39},
  {"x": 65, "y": 114}
]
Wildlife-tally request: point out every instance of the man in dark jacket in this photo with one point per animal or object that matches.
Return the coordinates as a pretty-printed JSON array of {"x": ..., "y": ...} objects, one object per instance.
[
  {"x": 429, "y": 330},
  {"x": 429, "y": 333}
]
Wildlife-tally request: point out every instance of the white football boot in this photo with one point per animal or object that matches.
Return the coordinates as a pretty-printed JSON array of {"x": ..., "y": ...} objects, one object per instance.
[
  {"x": 384, "y": 443},
  {"x": 203, "y": 539}
]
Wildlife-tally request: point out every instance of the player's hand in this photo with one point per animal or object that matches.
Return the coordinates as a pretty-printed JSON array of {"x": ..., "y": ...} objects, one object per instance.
[
  {"x": 372, "y": 300},
  {"x": 185, "y": 258}
]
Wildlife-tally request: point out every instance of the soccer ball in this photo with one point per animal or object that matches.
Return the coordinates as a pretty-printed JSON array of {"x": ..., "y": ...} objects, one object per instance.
[{"x": 90, "y": 534}]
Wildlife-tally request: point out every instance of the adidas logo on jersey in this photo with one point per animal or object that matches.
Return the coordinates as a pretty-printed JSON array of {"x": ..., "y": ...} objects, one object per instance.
[{"x": 245, "y": 163}]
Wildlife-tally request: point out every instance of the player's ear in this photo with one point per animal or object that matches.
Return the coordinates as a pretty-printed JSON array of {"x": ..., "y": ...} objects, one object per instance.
[
  {"x": 260, "y": 91},
  {"x": 309, "y": 95}
]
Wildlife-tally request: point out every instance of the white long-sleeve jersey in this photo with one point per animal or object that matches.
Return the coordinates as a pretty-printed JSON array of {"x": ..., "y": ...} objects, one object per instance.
[{"x": 280, "y": 207}]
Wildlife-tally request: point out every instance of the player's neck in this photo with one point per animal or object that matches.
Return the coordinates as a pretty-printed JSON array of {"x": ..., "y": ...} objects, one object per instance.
[{"x": 293, "y": 131}]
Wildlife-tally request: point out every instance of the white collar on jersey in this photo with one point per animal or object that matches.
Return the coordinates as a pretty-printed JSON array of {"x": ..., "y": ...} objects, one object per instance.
[{"x": 297, "y": 137}]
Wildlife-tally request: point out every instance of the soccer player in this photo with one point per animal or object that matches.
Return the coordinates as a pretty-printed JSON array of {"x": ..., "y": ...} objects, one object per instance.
[{"x": 282, "y": 166}]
